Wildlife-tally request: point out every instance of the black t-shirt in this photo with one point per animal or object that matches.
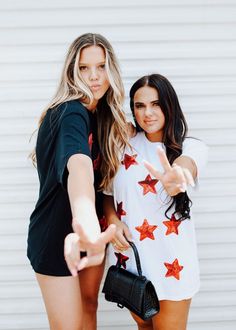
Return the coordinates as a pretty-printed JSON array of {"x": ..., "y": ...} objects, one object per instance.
[{"x": 67, "y": 130}]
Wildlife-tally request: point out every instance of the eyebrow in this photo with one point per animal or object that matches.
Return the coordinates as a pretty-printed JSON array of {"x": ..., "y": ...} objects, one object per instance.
[
  {"x": 96, "y": 63},
  {"x": 144, "y": 102}
]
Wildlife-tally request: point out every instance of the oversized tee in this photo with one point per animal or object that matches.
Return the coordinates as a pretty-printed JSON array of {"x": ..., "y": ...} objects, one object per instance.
[
  {"x": 167, "y": 247},
  {"x": 66, "y": 130}
]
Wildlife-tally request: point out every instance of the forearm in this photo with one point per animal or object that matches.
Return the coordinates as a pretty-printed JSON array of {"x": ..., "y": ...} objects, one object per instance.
[
  {"x": 82, "y": 198},
  {"x": 188, "y": 163},
  {"x": 109, "y": 209}
]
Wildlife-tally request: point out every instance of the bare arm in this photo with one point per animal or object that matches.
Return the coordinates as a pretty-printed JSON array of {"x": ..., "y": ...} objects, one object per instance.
[
  {"x": 87, "y": 236},
  {"x": 187, "y": 163},
  {"x": 81, "y": 194},
  {"x": 119, "y": 241}
]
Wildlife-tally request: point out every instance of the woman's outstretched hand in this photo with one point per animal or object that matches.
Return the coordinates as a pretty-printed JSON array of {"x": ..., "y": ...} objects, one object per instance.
[
  {"x": 175, "y": 178},
  {"x": 122, "y": 233},
  {"x": 79, "y": 241}
]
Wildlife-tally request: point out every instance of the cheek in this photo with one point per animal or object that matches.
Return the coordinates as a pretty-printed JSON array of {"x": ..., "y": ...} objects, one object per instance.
[
  {"x": 162, "y": 120},
  {"x": 84, "y": 76},
  {"x": 138, "y": 117},
  {"x": 107, "y": 84},
  {"x": 105, "y": 81}
]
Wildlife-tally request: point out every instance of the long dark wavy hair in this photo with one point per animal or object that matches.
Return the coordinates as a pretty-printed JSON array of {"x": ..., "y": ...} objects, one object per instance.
[{"x": 174, "y": 132}]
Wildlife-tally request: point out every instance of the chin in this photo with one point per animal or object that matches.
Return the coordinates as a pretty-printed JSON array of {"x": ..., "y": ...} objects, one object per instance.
[
  {"x": 150, "y": 131},
  {"x": 98, "y": 96}
]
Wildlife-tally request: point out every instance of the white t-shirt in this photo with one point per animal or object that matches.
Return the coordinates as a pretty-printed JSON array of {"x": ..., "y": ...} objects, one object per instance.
[{"x": 167, "y": 248}]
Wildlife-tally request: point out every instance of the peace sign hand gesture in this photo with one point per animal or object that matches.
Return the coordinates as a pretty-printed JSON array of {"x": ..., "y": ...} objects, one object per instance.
[
  {"x": 79, "y": 241},
  {"x": 175, "y": 178}
]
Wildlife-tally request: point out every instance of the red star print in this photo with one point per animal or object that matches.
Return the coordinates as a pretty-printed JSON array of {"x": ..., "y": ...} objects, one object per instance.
[
  {"x": 173, "y": 269},
  {"x": 90, "y": 141},
  {"x": 146, "y": 230},
  {"x": 129, "y": 160},
  {"x": 103, "y": 223},
  {"x": 172, "y": 225},
  {"x": 121, "y": 258},
  {"x": 120, "y": 210},
  {"x": 96, "y": 162},
  {"x": 148, "y": 185}
]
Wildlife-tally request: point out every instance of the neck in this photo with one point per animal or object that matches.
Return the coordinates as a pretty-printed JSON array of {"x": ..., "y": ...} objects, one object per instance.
[
  {"x": 154, "y": 137},
  {"x": 92, "y": 106}
]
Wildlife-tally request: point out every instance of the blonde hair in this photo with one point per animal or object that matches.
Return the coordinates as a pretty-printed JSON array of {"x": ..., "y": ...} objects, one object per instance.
[{"x": 112, "y": 125}]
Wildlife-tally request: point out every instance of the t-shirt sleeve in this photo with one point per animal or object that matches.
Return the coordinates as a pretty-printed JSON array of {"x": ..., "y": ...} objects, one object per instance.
[
  {"x": 197, "y": 150},
  {"x": 72, "y": 139}
]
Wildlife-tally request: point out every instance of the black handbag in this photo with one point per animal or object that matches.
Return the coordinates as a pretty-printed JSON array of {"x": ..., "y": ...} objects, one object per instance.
[{"x": 134, "y": 292}]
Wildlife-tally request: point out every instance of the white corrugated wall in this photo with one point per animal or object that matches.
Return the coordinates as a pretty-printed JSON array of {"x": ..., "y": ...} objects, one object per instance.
[{"x": 193, "y": 43}]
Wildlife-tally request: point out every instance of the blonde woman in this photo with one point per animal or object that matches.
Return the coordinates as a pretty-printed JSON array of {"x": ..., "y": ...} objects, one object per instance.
[{"x": 76, "y": 154}]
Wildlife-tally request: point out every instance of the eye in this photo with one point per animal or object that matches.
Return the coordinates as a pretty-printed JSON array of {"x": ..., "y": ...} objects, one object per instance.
[
  {"x": 102, "y": 67},
  {"x": 139, "y": 106},
  {"x": 83, "y": 68},
  {"x": 156, "y": 104}
]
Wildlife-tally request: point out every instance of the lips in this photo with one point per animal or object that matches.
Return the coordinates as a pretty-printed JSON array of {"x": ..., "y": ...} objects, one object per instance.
[
  {"x": 95, "y": 87},
  {"x": 149, "y": 122}
]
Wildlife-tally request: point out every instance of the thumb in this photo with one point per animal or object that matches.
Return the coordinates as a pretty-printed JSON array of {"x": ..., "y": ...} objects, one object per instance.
[{"x": 108, "y": 234}]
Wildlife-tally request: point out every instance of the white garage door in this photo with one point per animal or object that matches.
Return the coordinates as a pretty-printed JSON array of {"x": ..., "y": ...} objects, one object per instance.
[{"x": 193, "y": 43}]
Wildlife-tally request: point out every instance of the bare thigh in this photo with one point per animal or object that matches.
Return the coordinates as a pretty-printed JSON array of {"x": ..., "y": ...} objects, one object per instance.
[
  {"x": 62, "y": 299},
  {"x": 90, "y": 279},
  {"x": 142, "y": 325},
  {"x": 173, "y": 315}
]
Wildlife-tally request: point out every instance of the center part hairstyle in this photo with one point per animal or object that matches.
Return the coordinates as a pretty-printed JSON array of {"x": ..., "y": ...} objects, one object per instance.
[
  {"x": 174, "y": 131},
  {"x": 112, "y": 131}
]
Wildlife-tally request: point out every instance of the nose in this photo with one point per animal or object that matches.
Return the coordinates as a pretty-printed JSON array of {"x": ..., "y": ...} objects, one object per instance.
[
  {"x": 94, "y": 74},
  {"x": 148, "y": 111}
]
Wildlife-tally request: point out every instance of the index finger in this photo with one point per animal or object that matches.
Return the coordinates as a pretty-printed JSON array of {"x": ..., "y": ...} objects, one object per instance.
[{"x": 163, "y": 159}]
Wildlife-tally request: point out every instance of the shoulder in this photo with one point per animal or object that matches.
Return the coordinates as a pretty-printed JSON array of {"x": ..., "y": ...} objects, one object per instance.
[
  {"x": 137, "y": 139},
  {"x": 69, "y": 113},
  {"x": 70, "y": 108},
  {"x": 191, "y": 143},
  {"x": 197, "y": 150}
]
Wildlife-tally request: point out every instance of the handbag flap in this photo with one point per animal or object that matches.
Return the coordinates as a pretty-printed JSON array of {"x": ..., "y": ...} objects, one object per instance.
[{"x": 122, "y": 286}]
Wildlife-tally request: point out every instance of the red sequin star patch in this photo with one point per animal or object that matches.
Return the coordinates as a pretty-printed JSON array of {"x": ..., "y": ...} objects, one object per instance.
[
  {"x": 173, "y": 269},
  {"x": 97, "y": 162},
  {"x": 172, "y": 225},
  {"x": 103, "y": 223},
  {"x": 90, "y": 141},
  {"x": 121, "y": 258},
  {"x": 148, "y": 185},
  {"x": 119, "y": 210},
  {"x": 146, "y": 230},
  {"x": 129, "y": 160}
]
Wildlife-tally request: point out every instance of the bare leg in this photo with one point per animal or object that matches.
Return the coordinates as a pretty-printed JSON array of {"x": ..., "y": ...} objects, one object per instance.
[
  {"x": 173, "y": 315},
  {"x": 90, "y": 279},
  {"x": 62, "y": 299},
  {"x": 142, "y": 325}
]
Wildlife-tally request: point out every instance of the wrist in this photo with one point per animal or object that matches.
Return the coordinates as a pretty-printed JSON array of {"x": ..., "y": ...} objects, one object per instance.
[
  {"x": 90, "y": 227},
  {"x": 113, "y": 220}
]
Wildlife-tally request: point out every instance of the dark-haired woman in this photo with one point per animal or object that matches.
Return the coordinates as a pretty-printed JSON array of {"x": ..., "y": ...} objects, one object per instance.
[{"x": 154, "y": 210}]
